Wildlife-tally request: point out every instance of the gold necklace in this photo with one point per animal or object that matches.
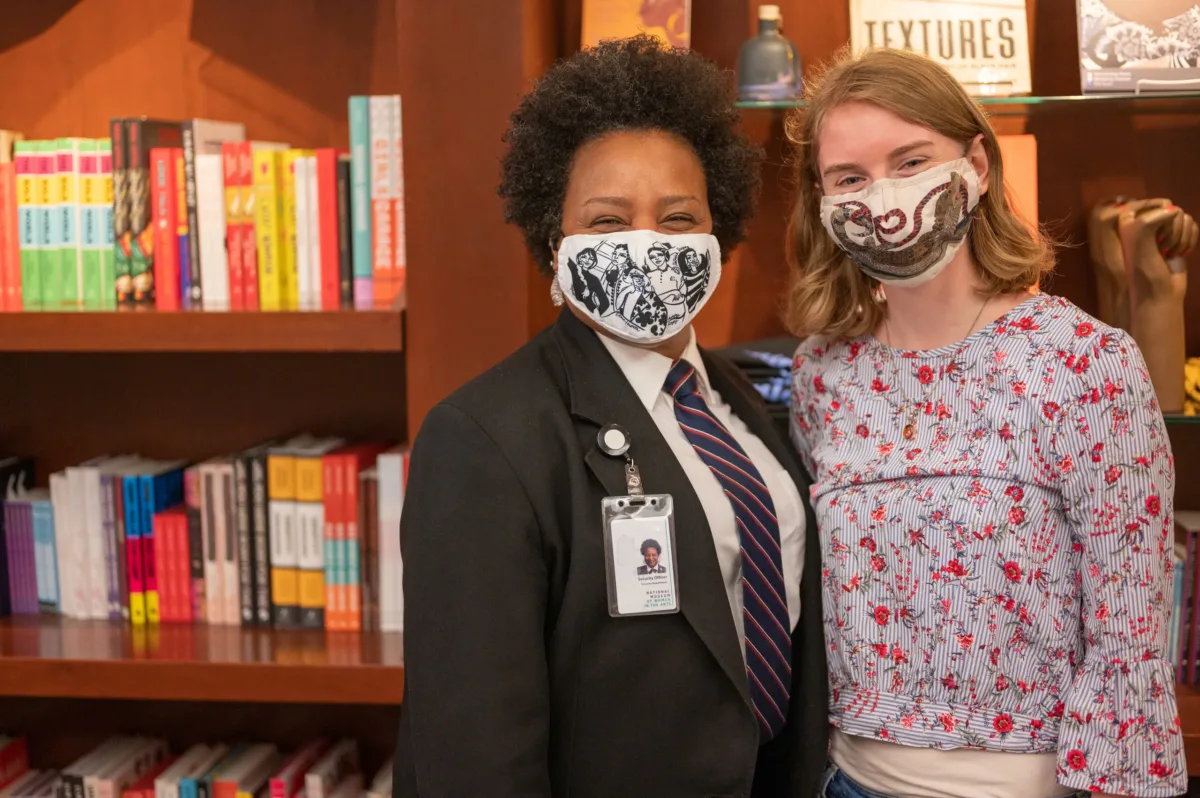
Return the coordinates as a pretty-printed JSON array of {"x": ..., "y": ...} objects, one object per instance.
[{"x": 910, "y": 427}]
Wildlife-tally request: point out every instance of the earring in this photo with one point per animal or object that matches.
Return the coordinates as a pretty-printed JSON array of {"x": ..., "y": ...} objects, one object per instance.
[{"x": 556, "y": 293}]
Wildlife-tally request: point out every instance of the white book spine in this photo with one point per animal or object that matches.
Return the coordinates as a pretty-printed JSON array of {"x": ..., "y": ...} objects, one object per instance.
[
  {"x": 303, "y": 251},
  {"x": 391, "y": 497},
  {"x": 59, "y": 493},
  {"x": 97, "y": 562},
  {"x": 210, "y": 208},
  {"x": 78, "y": 572}
]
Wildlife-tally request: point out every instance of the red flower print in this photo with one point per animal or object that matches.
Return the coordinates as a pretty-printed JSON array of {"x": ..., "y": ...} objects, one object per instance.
[
  {"x": 1084, "y": 329},
  {"x": 949, "y": 682},
  {"x": 955, "y": 568},
  {"x": 965, "y": 641},
  {"x": 878, "y": 564},
  {"x": 1018, "y": 388},
  {"x": 1050, "y": 409},
  {"x": 881, "y": 649},
  {"x": 878, "y": 514},
  {"x": 1025, "y": 323},
  {"x": 818, "y": 385},
  {"x": 1112, "y": 474},
  {"x": 1076, "y": 760},
  {"x": 1036, "y": 724},
  {"x": 1158, "y": 770},
  {"x": 1006, "y": 433},
  {"x": 995, "y": 656},
  {"x": 1082, "y": 364},
  {"x": 1012, "y": 571},
  {"x": 1057, "y": 712},
  {"x": 1016, "y": 515},
  {"x": 1111, "y": 390},
  {"x": 1153, "y": 505},
  {"x": 1096, "y": 450},
  {"x": 947, "y": 721},
  {"x": 862, "y": 431},
  {"x": 1066, "y": 464},
  {"x": 1101, "y": 611},
  {"x": 1003, "y": 723},
  {"x": 925, "y": 375},
  {"x": 881, "y": 615},
  {"x": 1014, "y": 492},
  {"x": 1001, "y": 682},
  {"x": 866, "y": 543},
  {"x": 877, "y": 385}
]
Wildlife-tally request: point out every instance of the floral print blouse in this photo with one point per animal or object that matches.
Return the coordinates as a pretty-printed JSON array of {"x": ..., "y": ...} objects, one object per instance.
[{"x": 996, "y": 526}]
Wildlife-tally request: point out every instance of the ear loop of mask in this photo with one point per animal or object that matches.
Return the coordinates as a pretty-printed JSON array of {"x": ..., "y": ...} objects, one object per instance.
[{"x": 556, "y": 292}]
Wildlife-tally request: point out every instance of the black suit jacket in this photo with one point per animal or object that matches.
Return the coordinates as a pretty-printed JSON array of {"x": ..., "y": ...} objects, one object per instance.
[{"x": 518, "y": 683}]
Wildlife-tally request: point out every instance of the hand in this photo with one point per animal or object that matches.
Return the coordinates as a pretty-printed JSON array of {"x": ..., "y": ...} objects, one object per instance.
[
  {"x": 1150, "y": 233},
  {"x": 1108, "y": 258}
]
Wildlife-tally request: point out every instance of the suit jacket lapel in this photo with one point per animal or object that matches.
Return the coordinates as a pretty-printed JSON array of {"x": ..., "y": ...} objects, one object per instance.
[{"x": 600, "y": 395}]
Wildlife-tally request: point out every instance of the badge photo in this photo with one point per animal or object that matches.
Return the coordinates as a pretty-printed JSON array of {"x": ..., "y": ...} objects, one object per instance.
[{"x": 640, "y": 555}]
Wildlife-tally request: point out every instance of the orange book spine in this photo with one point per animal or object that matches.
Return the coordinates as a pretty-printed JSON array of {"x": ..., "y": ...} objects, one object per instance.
[
  {"x": 10, "y": 247},
  {"x": 183, "y": 566},
  {"x": 233, "y": 229}
]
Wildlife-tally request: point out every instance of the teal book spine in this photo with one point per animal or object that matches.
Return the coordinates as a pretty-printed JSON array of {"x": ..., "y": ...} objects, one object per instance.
[{"x": 360, "y": 201}]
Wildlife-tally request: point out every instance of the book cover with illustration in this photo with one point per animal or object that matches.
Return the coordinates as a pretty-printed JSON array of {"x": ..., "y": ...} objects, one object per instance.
[
  {"x": 984, "y": 43},
  {"x": 668, "y": 20},
  {"x": 1139, "y": 45}
]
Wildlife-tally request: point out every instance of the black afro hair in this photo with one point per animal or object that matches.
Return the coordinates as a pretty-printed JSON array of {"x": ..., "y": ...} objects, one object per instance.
[{"x": 638, "y": 83}]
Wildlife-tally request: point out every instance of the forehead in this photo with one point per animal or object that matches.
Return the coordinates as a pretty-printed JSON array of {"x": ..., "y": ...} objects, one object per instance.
[
  {"x": 635, "y": 163},
  {"x": 859, "y": 132}
]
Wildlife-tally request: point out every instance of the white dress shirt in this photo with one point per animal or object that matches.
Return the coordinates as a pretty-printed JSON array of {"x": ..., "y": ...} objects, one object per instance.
[{"x": 647, "y": 372}]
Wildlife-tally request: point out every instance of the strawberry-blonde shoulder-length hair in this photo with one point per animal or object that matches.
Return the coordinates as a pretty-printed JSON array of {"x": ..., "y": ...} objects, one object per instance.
[{"x": 829, "y": 295}]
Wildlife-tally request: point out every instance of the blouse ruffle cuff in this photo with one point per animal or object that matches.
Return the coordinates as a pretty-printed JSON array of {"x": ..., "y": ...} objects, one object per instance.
[{"x": 1120, "y": 731}]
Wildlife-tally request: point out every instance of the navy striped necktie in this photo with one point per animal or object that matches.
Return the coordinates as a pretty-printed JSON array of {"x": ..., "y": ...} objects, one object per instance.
[{"x": 764, "y": 597}]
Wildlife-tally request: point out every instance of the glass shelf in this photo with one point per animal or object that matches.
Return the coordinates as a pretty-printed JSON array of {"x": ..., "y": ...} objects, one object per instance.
[{"x": 1157, "y": 102}]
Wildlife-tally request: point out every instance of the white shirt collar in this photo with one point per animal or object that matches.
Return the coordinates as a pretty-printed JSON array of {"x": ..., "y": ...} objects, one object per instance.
[{"x": 647, "y": 370}]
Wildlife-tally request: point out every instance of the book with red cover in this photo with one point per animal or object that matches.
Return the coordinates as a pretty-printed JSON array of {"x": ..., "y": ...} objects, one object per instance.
[
  {"x": 144, "y": 787},
  {"x": 327, "y": 213},
  {"x": 164, "y": 197},
  {"x": 245, "y": 178}
]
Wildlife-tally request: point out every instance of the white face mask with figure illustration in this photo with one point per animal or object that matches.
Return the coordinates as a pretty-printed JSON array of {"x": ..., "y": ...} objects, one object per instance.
[{"x": 641, "y": 286}]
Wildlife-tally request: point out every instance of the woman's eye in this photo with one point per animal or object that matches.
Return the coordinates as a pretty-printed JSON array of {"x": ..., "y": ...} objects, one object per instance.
[
  {"x": 679, "y": 219},
  {"x": 849, "y": 181},
  {"x": 607, "y": 221},
  {"x": 912, "y": 163}
]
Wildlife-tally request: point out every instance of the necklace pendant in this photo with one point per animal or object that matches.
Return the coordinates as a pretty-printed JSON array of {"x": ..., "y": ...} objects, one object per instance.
[{"x": 910, "y": 432}]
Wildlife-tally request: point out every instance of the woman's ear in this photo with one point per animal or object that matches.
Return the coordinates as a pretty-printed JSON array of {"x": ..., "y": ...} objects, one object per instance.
[{"x": 978, "y": 156}]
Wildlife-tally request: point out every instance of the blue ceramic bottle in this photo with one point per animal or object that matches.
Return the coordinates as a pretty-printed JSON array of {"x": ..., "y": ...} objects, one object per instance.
[{"x": 768, "y": 64}]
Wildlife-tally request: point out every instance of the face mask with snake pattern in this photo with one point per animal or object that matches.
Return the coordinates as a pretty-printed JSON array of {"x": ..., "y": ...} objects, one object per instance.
[{"x": 905, "y": 230}]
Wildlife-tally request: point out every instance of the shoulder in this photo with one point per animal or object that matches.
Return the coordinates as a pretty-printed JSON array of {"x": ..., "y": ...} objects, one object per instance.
[
  {"x": 819, "y": 356},
  {"x": 1075, "y": 350}
]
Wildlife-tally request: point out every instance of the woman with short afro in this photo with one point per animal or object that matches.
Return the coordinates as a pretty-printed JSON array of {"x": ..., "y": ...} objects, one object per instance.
[{"x": 544, "y": 655}]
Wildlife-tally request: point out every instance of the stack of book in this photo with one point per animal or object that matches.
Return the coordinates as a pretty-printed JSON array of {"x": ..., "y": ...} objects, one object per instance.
[
  {"x": 192, "y": 215},
  {"x": 301, "y": 533},
  {"x": 145, "y": 767}
]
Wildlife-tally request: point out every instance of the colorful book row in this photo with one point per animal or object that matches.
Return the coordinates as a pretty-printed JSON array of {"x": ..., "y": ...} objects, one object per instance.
[
  {"x": 297, "y": 534},
  {"x": 191, "y": 215},
  {"x": 145, "y": 767}
]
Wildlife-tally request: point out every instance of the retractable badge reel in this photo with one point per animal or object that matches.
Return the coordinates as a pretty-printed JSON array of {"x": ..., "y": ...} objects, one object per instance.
[{"x": 639, "y": 539}]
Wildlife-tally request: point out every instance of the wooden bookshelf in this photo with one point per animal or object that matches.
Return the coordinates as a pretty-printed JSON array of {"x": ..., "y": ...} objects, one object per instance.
[
  {"x": 150, "y": 331},
  {"x": 44, "y": 657}
]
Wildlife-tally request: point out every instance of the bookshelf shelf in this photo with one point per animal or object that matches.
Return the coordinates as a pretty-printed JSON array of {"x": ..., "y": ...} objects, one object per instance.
[
  {"x": 151, "y": 331},
  {"x": 1156, "y": 102},
  {"x": 51, "y": 657}
]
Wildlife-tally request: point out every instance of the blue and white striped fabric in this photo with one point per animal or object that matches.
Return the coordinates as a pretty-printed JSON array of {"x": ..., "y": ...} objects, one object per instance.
[{"x": 765, "y": 612}]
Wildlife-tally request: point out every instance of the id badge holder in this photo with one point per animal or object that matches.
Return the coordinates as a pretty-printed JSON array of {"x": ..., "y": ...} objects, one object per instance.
[{"x": 639, "y": 549}]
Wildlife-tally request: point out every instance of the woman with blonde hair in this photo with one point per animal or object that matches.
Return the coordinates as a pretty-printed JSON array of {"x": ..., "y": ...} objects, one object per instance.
[{"x": 991, "y": 474}]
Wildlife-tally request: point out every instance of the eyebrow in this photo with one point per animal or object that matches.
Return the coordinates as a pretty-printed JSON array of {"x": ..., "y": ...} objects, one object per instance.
[
  {"x": 893, "y": 155},
  {"x": 625, "y": 203}
]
